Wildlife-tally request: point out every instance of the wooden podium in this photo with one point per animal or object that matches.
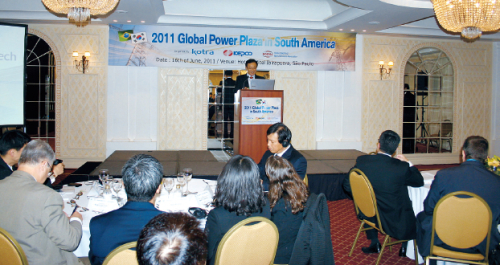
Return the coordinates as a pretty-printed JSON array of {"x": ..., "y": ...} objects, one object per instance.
[{"x": 250, "y": 139}]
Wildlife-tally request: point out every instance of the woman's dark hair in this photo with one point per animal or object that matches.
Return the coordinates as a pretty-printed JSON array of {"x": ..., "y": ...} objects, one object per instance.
[
  {"x": 285, "y": 183},
  {"x": 238, "y": 187},
  {"x": 172, "y": 238}
]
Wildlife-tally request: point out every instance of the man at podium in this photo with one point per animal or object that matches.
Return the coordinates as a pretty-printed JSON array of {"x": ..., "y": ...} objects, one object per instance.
[
  {"x": 243, "y": 81},
  {"x": 279, "y": 139}
]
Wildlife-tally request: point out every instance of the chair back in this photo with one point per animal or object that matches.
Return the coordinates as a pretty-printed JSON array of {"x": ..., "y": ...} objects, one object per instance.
[
  {"x": 122, "y": 255},
  {"x": 462, "y": 220},
  {"x": 10, "y": 251},
  {"x": 247, "y": 243},
  {"x": 364, "y": 197}
]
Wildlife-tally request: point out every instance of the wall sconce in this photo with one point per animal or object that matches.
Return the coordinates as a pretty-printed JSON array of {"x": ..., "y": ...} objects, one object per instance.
[
  {"x": 386, "y": 71},
  {"x": 82, "y": 64}
]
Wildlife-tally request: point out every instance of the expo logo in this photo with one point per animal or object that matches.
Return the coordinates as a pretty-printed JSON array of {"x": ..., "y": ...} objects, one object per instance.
[
  {"x": 241, "y": 53},
  {"x": 228, "y": 53},
  {"x": 267, "y": 54}
]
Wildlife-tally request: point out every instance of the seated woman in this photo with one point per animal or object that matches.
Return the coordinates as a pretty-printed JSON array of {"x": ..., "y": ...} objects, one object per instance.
[
  {"x": 287, "y": 198},
  {"x": 239, "y": 195}
]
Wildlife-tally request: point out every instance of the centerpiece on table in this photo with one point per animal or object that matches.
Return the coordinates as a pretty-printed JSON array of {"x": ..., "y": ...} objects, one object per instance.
[{"x": 493, "y": 164}]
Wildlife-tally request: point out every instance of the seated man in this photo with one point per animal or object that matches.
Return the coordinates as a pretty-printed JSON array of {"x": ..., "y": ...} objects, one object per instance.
[
  {"x": 142, "y": 176},
  {"x": 12, "y": 144},
  {"x": 172, "y": 238},
  {"x": 471, "y": 176},
  {"x": 279, "y": 139},
  {"x": 33, "y": 213},
  {"x": 389, "y": 178}
]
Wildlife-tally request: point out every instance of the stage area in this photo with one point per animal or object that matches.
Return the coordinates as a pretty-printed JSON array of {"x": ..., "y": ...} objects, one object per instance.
[{"x": 326, "y": 169}]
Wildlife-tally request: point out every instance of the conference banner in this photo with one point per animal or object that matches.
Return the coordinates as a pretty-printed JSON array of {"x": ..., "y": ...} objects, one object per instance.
[
  {"x": 229, "y": 48},
  {"x": 260, "y": 110}
]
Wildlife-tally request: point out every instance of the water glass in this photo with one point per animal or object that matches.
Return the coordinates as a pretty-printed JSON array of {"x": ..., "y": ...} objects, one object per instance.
[
  {"x": 168, "y": 183},
  {"x": 188, "y": 175}
]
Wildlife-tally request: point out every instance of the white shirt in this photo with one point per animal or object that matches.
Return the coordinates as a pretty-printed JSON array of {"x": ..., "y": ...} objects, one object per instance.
[{"x": 281, "y": 154}]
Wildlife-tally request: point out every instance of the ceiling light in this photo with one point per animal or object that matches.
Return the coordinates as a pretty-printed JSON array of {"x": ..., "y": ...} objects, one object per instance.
[
  {"x": 340, "y": 29},
  {"x": 364, "y": 30},
  {"x": 469, "y": 17},
  {"x": 114, "y": 20},
  {"x": 352, "y": 29},
  {"x": 80, "y": 10},
  {"x": 142, "y": 21},
  {"x": 129, "y": 21}
]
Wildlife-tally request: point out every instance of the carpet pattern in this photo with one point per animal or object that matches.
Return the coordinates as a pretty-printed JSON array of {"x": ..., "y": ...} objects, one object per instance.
[{"x": 343, "y": 227}]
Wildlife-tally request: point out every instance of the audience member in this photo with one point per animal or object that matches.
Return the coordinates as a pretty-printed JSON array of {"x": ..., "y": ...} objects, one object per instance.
[
  {"x": 33, "y": 213},
  {"x": 238, "y": 195},
  {"x": 287, "y": 199},
  {"x": 279, "y": 139},
  {"x": 142, "y": 176},
  {"x": 243, "y": 81},
  {"x": 390, "y": 178},
  {"x": 471, "y": 176},
  {"x": 12, "y": 144},
  {"x": 172, "y": 238}
]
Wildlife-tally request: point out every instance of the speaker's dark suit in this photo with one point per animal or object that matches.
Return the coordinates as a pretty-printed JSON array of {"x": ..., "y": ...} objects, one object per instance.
[
  {"x": 389, "y": 178},
  {"x": 110, "y": 230},
  {"x": 470, "y": 176},
  {"x": 5, "y": 170},
  {"x": 242, "y": 81},
  {"x": 298, "y": 161}
]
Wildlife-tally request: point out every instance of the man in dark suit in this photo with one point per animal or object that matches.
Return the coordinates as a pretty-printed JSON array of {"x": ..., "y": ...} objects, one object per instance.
[
  {"x": 142, "y": 176},
  {"x": 471, "y": 176},
  {"x": 243, "y": 81},
  {"x": 389, "y": 178},
  {"x": 12, "y": 144},
  {"x": 228, "y": 100},
  {"x": 279, "y": 139}
]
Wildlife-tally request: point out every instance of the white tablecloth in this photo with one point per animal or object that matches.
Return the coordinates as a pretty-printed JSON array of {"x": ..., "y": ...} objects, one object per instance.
[
  {"x": 174, "y": 202},
  {"x": 417, "y": 197}
]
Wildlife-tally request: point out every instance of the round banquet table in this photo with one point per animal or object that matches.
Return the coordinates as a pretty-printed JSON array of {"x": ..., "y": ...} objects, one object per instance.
[{"x": 165, "y": 202}]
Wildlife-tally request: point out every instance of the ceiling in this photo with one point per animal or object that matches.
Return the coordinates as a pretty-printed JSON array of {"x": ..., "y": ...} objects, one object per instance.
[{"x": 399, "y": 17}]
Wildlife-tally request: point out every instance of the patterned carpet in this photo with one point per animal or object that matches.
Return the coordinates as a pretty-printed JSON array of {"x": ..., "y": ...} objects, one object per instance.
[{"x": 344, "y": 226}]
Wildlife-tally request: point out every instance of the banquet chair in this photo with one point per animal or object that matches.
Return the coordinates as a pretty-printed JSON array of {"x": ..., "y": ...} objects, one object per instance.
[
  {"x": 122, "y": 255},
  {"x": 10, "y": 251},
  {"x": 306, "y": 180},
  {"x": 247, "y": 244},
  {"x": 461, "y": 222},
  {"x": 366, "y": 203}
]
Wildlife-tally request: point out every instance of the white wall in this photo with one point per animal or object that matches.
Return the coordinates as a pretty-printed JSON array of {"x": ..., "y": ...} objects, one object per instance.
[
  {"x": 339, "y": 106},
  {"x": 132, "y": 108},
  {"x": 495, "y": 104}
]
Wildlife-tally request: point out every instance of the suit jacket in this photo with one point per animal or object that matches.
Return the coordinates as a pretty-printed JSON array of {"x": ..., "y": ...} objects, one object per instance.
[
  {"x": 298, "y": 161},
  {"x": 389, "y": 178},
  {"x": 5, "y": 170},
  {"x": 219, "y": 221},
  {"x": 288, "y": 225},
  {"x": 33, "y": 214},
  {"x": 109, "y": 231},
  {"x": 470, "y": 176},
  {"x": 242, "y": 81},
  {"x": 313, "y": 245}
]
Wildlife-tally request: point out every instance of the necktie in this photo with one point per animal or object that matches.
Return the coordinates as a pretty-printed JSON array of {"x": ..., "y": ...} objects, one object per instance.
[{"x": 251, "y": 77}]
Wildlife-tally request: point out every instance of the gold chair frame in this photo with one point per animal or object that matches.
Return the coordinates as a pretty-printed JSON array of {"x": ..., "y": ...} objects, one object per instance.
[
  {"x": 262, "y": 221},
  {"x": 366, "y": 200},
  {"x": 17, "y": 248},
  {"x": 475, "y": 202},
  {"x": 119, "y": 250}
]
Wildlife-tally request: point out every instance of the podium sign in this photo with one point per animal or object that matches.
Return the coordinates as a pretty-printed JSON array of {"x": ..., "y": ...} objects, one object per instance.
[{"x": 260, "y": 111}]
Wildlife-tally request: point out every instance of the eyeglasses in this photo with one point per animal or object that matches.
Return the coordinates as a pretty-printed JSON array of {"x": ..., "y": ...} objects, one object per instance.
[{"x": 48, "y": 165}]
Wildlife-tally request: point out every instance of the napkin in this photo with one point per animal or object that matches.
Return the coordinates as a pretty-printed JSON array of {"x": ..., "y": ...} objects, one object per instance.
[{"x": 102, "y": 205}]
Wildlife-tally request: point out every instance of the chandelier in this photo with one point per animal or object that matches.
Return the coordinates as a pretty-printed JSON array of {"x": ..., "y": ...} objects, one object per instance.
[
  {"x": 80, "y": 10},
  {"x": 470, "y": 17}
]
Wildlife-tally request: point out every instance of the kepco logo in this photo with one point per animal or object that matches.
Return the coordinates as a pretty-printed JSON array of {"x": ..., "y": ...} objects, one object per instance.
[
  {"x": 228, "y": 53},
  {"x": 241, "y": 53}
]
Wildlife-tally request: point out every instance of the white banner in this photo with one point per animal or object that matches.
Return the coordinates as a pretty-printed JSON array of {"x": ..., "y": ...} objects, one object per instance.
[
  {"x": 227, "y": 48},
  {"x": 258, "y": 111}
]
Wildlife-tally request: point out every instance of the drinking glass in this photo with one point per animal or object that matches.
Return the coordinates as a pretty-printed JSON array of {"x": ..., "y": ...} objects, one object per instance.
[
  {"x": 182, "y": 182},
  {"x": 168, "y": 183},
  {"x": 188, "y": 175},
  {"x": 117, "y": 185},
  {"x": 103, "y": 175}
]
